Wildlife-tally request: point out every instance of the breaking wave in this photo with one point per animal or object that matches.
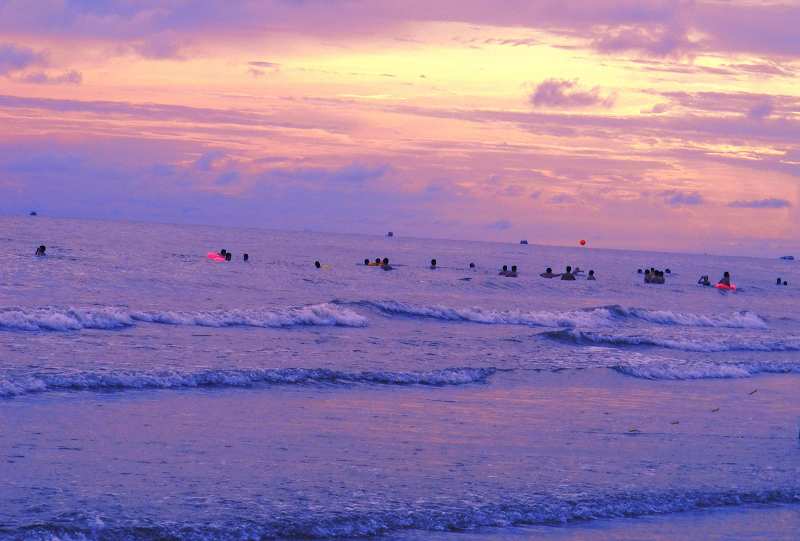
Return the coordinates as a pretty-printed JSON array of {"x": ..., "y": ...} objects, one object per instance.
[
  {"x": 708, "y": 345},
  {"x": 121, "y": 381},
  {"x": 395, "y": 517},
  {"x": 686, "y": 370},
  {"x": 111, "y": 318},
  {"x": 599, "y": 316}
]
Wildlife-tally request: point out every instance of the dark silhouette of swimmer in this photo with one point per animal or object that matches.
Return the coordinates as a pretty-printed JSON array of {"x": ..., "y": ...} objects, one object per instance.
[
  {"x": 503, "y": 271},
  {"x": 639, "y": 271},
  {"x": 512, "y": 273},
  {"x": 246, "y": 258},
  {"x": 647, "y": 276},
  {"x": 591, "y": 276},
  {"x": 786, "y": 283},
  {"x": 433, "y": 264},
  {"x": 726, "y": 279},
  {"x": 317, "y": 264},
  {"x": 668, "y": 271},
  {"x": 228, "y": 256},
  {"x": 548, "y": 273},
  {"x": 568, "y": 274},
  {"x": 366, "y": 262},
  {"x": 472, "y": 265},
  {"x": 779, "y": 282},
  {"x": 40, "y": 251},
  {"x": 377, "y": 261},
  {"x": 704, "y": 281},
  {"x": 385, "y": 264},
  {"x": 223, "y": 252},
  {"x": 657, "y": 277}
]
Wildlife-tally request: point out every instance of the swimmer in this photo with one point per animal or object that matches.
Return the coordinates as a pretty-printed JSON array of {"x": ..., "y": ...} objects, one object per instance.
[
  {"x": 779, "y": 282},
  {"x": 433, "y": 264},
  {"x": 704, "y": 281},
  {"x": 503, "y": 271},
  {"x": 568, "y": 275},
  {"x": 591, "y": 276},
  {"x": 366, "y": 262},
  {"x": 228, "y": 256},
  {"x": 726, "y": 279},
  {"x": 223, "y": 252},
  {"x": 385, "y": 264},
  {"x": 40, "y": 251},
  {"x": 317, "y": 264},
  {"x": 639, "y": 271},
  {"x": 786, "y": 283},
  {"x": 668, "y": 271},
  {"x": 512, "y": 273},
  {"x": 548, "y": 273},
  {"x": 246, "y": 258},
  {"x": 658, "y": 277},
  {"x": 472, "y": 266}
]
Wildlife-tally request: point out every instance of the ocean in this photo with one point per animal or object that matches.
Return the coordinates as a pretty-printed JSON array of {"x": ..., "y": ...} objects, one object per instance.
[{"x": 148, "y": 392}]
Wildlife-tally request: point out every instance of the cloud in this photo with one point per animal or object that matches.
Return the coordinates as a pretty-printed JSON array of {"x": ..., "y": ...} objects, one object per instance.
[
  {"x": 661, "y": 40},
  {"x": 675, "y": 198},
  {"x": 562, "y": 93},
  {"x": 71, "y": 77},
  {"x": 15, "y": 58},
  {"x": 761, "y": 204},
  {"x": 263, "y": 64},
  {"x": 563, "y": 199},
  {"x": 760, "y": 111}
]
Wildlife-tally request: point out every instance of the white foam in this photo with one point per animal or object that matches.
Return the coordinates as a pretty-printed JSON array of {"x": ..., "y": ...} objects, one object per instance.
[
  {"x": 686, "y": 370},
  {"x": 122, "y": 380},
  {"x": 110, "y": 318}
]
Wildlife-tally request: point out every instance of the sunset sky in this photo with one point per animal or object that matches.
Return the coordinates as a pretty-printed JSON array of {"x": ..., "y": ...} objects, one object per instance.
[{"x": 666, "y": 124}]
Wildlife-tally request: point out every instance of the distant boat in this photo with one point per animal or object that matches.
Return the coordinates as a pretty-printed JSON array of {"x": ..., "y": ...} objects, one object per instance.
[
  {"x": 33, "y": 213},
  {"x": 787, "y": 257},
  {"x": 523, "y": 242}
]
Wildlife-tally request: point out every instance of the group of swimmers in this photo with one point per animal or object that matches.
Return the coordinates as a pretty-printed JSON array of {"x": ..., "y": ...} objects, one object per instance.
[
  {"x": 382, "y": 263},
  {"x": 569, "y": 274},
  {"x": 655, "y": 276},
  {"x": 225, "y": 254},
  {"x": 724, "y": 281}
]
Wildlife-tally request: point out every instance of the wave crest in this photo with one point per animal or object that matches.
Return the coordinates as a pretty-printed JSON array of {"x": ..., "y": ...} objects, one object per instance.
[
  {"x": 110, "y": 318},
  {"x": 121, "y": 381}
]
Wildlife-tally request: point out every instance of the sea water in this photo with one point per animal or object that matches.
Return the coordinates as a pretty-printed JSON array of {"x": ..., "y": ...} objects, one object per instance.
[{"x": 148, "y": 392}]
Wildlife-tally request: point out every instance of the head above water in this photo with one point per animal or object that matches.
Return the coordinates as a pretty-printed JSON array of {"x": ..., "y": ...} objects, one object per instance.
[
  {"x": 433, "y": 262},
  {"x": 726, "y": 274},
  {"x": 378, "y": 260},
  {"x": 246, "y": 257},
  {"x": 385, "y": 261},
  {"x": 639, "y": 271},
  {"x": 223, "y": 252},
  {"x": 591, "y": 273},
  {"x": 549, "y": 270},
  {"x": 366, "y": 261},
  {"x": 513, "y": 268},
  {"x": 505, "y": 268},
  {"x": 569, "y": 268},
  {"x": 472, "y": 265},
  {"x": 228, "y": 256},
  {"x": 317, "y": 264}
]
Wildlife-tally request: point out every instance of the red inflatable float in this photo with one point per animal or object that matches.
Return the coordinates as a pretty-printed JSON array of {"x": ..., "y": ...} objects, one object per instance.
[{"x": 214, "y": 256}]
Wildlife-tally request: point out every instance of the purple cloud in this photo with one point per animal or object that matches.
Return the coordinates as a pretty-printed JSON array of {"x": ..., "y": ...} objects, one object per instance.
[
  {"x": 15, "y": 58},
  {"x": 675, "y": 198},
  {"x": 566, "y": 94},
  {"x": 761, "y": 204},
  {"x": 660, "y": 40},
  {"x": 71, "y": 77}
]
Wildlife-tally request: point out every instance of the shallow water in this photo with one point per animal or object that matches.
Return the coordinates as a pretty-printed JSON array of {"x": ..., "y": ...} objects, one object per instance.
[{"x": 148, "y": 392}]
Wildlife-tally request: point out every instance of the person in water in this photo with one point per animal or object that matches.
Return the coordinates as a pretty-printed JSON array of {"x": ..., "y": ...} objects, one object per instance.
[
  {"x": 512, "y": 273},
  {"x": 548, "y": 273},
  {"x": 317, "y": 264},
  {"x": 472, "y": 266},
  {"x": 647, "y": 276},
  {"x": 704, "y": 281},
  {"x": 228, "y": 256},
  {"x": 591, "y": 276},
  {"x": 638, "y": 271},
  {"x": 726, "y": 279},
  {"x": 433, "y": 264},
  {"x": 568, "y": 274},
  {"x": 246, "y": 257},
  {"x": 657, "y": 277},
  {"x": 385, "y": 264},
  {"x": 40, "y": 251},
  {"x": 503, "y": 271}
]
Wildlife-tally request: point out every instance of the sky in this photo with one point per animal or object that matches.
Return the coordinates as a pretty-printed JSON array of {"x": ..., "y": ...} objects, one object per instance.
[{"x": 662, "y": 125}]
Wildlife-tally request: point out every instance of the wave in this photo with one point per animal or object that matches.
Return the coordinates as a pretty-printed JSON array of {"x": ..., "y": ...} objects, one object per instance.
[
  {"x": 599, "y": 316},
  {"x": 121, "y": 381},
  {"x": 707, "y": 345},
  {"x": 685, "y": 370},
  {"x": 572, "y": 318},
  {"x": 459, "y": 516},
  {"x": 737, "y": 320},
  {"x": 111, "y": 318}
]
